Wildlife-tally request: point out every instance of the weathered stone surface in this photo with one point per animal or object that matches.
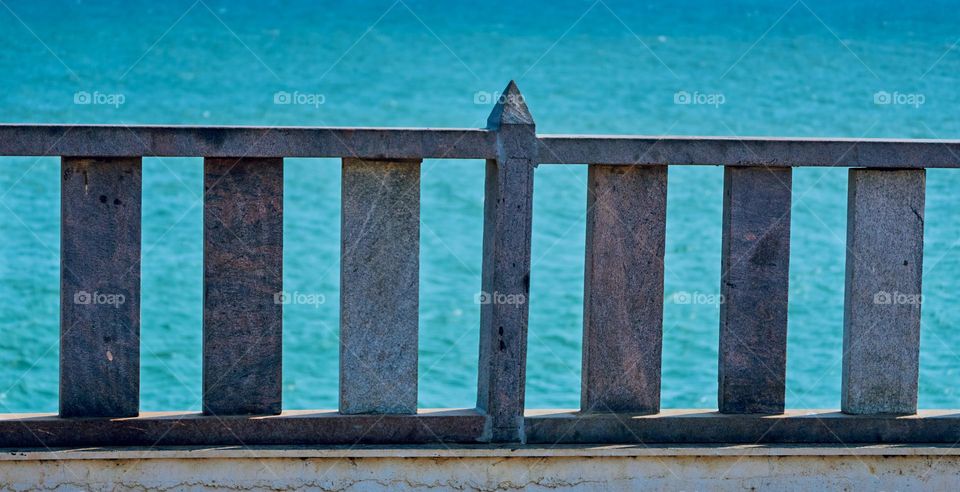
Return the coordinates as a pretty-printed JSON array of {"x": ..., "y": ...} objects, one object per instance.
[
  {"x": 881, "y": 322},
  {"x": 230, "y": 141},
  {"x": 100, "y": 202},
  {"x": 550, "y": 427},
  {"x": 379, "y": 286},
  {"x": 422, "y": 143},
  {"x": 701, "y": 426},
  {"x": 298, "y": 427},
  {"x": 754, "y": 278},
  {"x": 507, "y": 220},
  {"x": 623, "y": 291},
  {"x": 636, "y": 150},
  {"x": 242, "y": 285}
]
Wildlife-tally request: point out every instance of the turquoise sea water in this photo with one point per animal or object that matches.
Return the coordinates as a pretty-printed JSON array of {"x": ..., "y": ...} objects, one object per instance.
[{"x": 782, "y": 68}]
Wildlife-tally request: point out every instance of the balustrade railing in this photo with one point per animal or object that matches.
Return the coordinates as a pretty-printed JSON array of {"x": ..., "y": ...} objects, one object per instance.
[{"x": 623, "y": 292}]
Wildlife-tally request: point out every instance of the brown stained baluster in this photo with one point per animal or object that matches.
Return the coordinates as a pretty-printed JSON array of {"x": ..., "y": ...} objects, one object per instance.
[
  {"x": 100, "y": 287},
  {"x": 754, "y": 282},
  {"x": 242, "y": 285},
  {"x": 623, "y": 289}
]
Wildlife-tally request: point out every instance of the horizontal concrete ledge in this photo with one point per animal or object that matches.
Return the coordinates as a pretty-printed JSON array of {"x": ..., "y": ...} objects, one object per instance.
[
  {"x": 470, "y": 451},
  {"x": 459, "y": 143},
  {"x": 239, "y": 141},
  {"x": 301, "y": 427},
  {"x": 502, "y": 469},
  {"x": 699, "y": 426},
  {"x": 748, "y": 151}
]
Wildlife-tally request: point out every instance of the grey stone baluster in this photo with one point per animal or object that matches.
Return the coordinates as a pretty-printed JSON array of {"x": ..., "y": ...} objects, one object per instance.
[
  {"x": 100, "y": 202},
  {"x": 623, "y": 289},
  {"x": 507, "y": 218},
  {"x": 881, "y": 322},
  {"x": 754, "y": 283},
  {"x": 242, "y": 285},
  {"x": 379, "y": 286}
]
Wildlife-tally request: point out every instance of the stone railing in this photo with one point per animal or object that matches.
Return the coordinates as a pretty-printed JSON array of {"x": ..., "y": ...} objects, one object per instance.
[{"x": 243, "y": 202}]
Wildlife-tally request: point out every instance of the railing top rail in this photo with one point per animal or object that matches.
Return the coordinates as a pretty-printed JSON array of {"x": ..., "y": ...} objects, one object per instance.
[
  {"x": 245, "y": 141},
  {"x": 229, "y": 127},
  {"x": 468, "y": 143},
  {"x": 749, "y": 151}
]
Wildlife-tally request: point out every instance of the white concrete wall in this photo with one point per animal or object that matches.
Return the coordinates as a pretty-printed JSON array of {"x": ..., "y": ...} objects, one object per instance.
[{"x": 602, "y": 468}]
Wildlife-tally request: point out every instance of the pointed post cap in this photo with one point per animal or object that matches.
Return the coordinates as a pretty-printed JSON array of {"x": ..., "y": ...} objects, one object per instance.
[{"x": 510, "y": 109}]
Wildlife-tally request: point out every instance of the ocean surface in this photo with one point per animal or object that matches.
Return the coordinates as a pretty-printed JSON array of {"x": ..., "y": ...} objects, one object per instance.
[{"x": 785, "y": 68}]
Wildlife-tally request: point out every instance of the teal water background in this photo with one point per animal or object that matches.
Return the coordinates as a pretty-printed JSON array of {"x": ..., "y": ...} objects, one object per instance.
[{"x": 782, "y": 68}]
